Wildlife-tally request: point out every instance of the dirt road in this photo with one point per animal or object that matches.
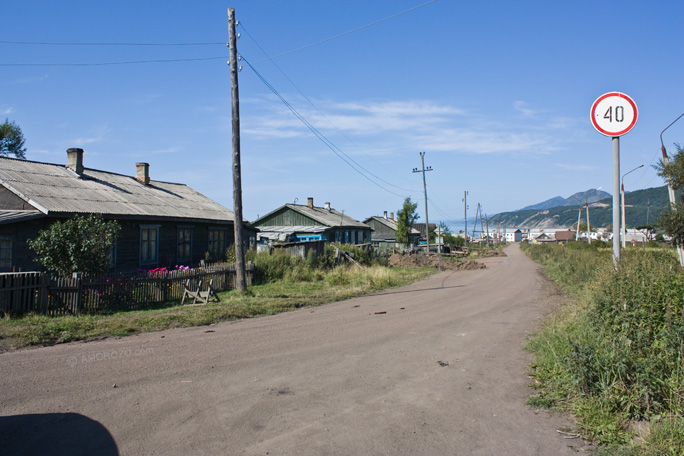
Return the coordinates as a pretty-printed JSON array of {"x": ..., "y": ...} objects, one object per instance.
[{"x": 435, "y": 368}]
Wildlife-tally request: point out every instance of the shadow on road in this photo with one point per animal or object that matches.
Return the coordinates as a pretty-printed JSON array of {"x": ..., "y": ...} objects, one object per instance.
[
  {"x": 413, "y": 291},
  {"x": 55, "y": 434}
]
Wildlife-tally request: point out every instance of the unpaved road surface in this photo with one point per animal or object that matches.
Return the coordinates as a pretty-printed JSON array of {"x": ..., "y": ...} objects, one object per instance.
[{"x": 435, "y": 368}]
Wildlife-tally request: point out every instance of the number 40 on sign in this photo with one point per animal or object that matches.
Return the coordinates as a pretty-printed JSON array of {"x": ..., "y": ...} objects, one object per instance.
[{"x": 614, "y": 114}]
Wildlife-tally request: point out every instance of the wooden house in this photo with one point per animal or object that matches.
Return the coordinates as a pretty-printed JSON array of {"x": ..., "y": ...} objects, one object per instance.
[
  {"x": 565, "y": 236},
  {"x": 162, "y": 223},
  {"x": 384, "y": 232},
  {"x": 299, "y": 223}
]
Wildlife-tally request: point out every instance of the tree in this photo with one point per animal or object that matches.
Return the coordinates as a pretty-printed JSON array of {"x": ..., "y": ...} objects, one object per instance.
[
  {"x": 80, "y": 244},
  {"x": 672, "y": 219},
  {"x": 648, "y": 230},
  {"x": 406, "y": 216},
  {"x": 11, "y": 140},
  {"x": 448, "y": 237}
]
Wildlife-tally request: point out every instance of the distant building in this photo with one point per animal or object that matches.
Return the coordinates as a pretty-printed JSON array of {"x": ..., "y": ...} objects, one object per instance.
[
  {"x": 384, "y": 232},
  {"x": 565, "y": 236},
  {"x": 298, "y": 223}
]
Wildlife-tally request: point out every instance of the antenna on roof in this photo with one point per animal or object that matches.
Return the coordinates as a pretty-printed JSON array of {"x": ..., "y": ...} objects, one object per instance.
[{"x": 295, "y": 201}]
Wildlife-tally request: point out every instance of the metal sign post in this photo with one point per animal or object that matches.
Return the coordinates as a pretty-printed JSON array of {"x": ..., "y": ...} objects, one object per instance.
[{"x": 614, "y": 114}]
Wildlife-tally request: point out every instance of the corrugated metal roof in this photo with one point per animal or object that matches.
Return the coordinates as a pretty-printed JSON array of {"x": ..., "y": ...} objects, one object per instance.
[
  {"x": 54, "y": 188},
  {"x": 390, "y": 223},
  {"x": 327, "y": 217},
  {"x": 293, "y": 229},
  {"x": 18, "y": 216}
]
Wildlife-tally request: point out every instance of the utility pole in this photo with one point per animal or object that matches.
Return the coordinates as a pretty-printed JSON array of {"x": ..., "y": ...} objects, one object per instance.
[
  {"x": 240, "y": 281},
  {"x": 487, "y": 225},
  {"x": 579, "y": 217},
  {"x": 670, "y": 189},
  {"x": 475, "y": 224},
  {"x": 427, "y": 223},
  {"x": 588, "y": 225},
  {"x": 465, "y": 217},
  {"x": 622, "y": 196}
]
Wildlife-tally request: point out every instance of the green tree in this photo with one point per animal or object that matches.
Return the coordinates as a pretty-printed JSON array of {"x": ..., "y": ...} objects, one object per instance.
[
  {"x": 406, "y": 216},
  {"x": 672, "y": 219},
  {"x": 449, "y": 238},
  {"x": 80, "y": 244},
  {"x": 11, "y": 140}
]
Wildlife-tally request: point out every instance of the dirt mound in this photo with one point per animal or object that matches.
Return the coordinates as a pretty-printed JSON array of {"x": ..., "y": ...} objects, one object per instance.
[
  {"x": 487, "y": 253},
  {"x": 433, "y": 261}
]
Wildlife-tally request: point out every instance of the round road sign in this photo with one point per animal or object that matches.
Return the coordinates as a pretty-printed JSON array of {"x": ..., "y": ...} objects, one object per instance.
[{"x": 614, "y": 114}]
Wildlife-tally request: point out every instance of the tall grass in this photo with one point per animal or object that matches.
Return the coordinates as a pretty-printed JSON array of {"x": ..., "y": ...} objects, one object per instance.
[
  {"x": 279, "y": 265},
  {"x": 615, "y": 355},
  {"x": 283, "y": 284}
]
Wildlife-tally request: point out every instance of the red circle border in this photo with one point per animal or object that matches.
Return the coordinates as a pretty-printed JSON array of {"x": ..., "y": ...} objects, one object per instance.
[{"x": 612, "y": 94}]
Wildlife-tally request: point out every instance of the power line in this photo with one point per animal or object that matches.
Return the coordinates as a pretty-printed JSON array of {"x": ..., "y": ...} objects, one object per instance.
[
  {"x": 321, "y": 113},
  {"x": 57, "y": 43},
  {"x": 132, "y": 62},
  {"x": 314, "y": 130},
  {"x": 347, "y": 32}
]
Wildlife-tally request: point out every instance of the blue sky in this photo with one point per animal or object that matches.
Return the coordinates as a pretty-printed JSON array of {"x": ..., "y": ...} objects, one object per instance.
[{"x": 496, "y": 93}]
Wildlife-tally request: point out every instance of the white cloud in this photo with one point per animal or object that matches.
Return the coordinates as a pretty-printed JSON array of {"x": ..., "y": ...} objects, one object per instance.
[
  {"x": 99, "y": 134},
  {"x": 381, "y": 126},
  {"x": 573, "y": 167},
  {"x": 31, "y": 79},
  {"x": 521, "y": 106},
  {"x": 6, "y": 111}
]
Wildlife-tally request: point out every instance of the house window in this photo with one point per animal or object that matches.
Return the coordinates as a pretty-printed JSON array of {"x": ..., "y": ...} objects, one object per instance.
[
  {"x": 184, "y": 244},
  {"x": 347, "y": 237},
  {"x": 217, "y": 243},
  {"x": 149, "y": 244},
  {"x": 338, "y": 236},
  {"x": 112, "y": 255},
  {"x": 5, "y": 252}
]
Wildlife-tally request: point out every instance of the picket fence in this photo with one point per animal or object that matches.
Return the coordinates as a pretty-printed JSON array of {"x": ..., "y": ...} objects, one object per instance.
[{"x": 39, "y": 292}]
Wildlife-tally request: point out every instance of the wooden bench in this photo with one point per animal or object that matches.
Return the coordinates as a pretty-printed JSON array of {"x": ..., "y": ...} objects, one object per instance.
[{"x": 198, "y": 295}]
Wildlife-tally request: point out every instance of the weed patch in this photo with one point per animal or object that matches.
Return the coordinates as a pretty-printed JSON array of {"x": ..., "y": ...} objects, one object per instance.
[{"x": 615, "y": 354}]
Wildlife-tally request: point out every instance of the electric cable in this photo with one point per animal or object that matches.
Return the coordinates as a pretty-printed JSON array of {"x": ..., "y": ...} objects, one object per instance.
[
  {"x": 322, "y": 114},
  {"x": 347, "y": 32},
  {"x": 313, "y": 129},
  {"x": 132, "y": 62}
]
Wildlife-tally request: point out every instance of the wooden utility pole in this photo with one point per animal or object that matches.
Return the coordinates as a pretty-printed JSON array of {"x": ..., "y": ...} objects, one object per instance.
[
  {"x": 427, "y": 223},
  {"x": 670, "y": 189},
  {"x": 240, "y": 281},
  {"x": 589, "y": 226},
  {"x": 465, "y": 217}
]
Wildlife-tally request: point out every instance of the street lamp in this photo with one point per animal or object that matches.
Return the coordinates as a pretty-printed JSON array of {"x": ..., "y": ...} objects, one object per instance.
[{"x": 622, "y": 195}]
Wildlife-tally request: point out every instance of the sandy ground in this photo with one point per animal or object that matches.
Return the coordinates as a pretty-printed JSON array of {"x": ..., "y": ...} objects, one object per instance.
[{"x": 434, "y": 368}]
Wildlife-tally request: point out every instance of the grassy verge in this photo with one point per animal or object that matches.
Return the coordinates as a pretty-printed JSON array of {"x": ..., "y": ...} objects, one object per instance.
[
  {"x": 300, "y": 287},
  {"x": 614, "y": 354}
]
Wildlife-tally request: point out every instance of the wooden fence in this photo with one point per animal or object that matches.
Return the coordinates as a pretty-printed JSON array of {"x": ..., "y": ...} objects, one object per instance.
[{"x": 22, "y": 292}]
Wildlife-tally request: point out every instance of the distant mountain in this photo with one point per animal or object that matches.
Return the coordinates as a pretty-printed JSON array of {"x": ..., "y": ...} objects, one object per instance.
[
  {"x": 641, "y": 206},
  {"x": 591, "y": 196}
]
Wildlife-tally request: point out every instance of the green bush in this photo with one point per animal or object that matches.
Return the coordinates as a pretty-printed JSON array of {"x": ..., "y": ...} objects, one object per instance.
[{"x": 617, "y": 353}]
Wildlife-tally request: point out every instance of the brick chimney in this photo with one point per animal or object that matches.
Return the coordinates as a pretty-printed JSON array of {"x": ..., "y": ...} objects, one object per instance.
[
  {"x": 75, "y": 160},
  {"x": 309, "y": 202},
  {"x": 384, "y": 214},
  {"x": 143, "y": 172},
  {"x": 391, "y": 215},
  {"x": 327, "y": 207}
]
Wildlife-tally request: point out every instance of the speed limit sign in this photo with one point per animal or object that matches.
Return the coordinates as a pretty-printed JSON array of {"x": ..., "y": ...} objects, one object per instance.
[{"x": 614, "y": 114}]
